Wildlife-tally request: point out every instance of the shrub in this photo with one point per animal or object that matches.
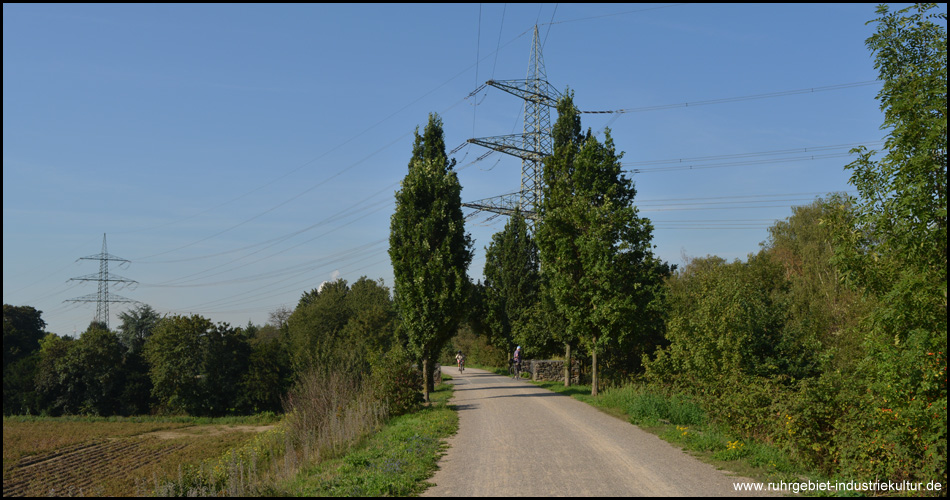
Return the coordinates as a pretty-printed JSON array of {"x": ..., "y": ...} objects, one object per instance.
[{"x": 397, "y": 383}]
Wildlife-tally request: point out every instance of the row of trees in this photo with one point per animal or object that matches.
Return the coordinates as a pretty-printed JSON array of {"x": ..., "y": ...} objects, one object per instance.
[
  {"x": 190, "y": 365},
  {"x": 176, "y": 364},
  {"x": 830, "y": 341},
  {"x": 599, "y": 287}
]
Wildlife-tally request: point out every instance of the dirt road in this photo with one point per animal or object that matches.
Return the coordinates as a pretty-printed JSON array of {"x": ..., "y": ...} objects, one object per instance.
[{"x": 516, "y": 439}]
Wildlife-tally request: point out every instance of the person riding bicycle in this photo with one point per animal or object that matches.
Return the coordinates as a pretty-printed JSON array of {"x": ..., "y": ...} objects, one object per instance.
[
  {"x": 516, "y": 359},
  {"x": 460, "y": 359}
]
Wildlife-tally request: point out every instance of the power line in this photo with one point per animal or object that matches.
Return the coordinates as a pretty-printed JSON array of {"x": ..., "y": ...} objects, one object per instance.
[
  {"x": 748, "y": 155},
  {"x": 740, "y": 98},
  {"x": 739, "y": 163},
  {"x": 814, "y": 193},
  {"x": 616, "y": 14},
  {"x": 498, "y": 45}
]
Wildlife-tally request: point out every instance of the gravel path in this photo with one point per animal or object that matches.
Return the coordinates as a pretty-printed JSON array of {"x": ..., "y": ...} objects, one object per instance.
[{"x": 516, "y": 439}]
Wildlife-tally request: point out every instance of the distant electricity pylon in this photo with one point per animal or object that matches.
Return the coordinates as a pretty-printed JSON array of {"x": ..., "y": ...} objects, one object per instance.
[
  {"x": 532, "y": 146},
  {"x": 102, "y": 298}
]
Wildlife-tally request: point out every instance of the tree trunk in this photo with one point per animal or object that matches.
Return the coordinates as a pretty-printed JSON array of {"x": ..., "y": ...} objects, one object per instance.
[
  {"x": 567, "y": 364},
  {"x": 593, "y": 371},
  {"x": 425, "y": 379}
]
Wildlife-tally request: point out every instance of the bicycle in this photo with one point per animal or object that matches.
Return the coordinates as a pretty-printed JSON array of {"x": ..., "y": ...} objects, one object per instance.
[
  {"x": 461, "y": 363},
  {"x": 514, "y": 369}
]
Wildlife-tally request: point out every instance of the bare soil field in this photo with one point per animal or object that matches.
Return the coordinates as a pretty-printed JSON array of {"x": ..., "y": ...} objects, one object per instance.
[{"x": 106, "y": 458}]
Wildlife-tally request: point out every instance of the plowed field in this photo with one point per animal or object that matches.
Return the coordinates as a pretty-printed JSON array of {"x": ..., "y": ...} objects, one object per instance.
[{"x": 121, "y": 466}]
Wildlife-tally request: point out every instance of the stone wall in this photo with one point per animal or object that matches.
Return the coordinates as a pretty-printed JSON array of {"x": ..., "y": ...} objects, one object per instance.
[{"x": 550, "y": 369}]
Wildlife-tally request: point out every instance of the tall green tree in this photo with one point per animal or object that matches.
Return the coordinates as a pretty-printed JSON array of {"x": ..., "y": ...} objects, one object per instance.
[
  {"x": 512, "y": 283},
  {"x": 372, "y": 316},
  {"x": 174, "y": 352},
  {"x": 315, "y": 329},
  {"x": 594, "y": 247},
  {"x": 98, "y": 364},
  {"x": 429, "y": 249},
  {"x": 22, "y": 330},
  {"x": 137, "y": 325},
  {"x": 338, "y": 327},
  {"x": 196, "y": 366},
  {"x": 268, "y": 374},
  {"x": 903, "y": 204},
  {"x": 901, "y": 242},
  {"x": 224, "y": 366},
  {"x": 55, "y": 382}
]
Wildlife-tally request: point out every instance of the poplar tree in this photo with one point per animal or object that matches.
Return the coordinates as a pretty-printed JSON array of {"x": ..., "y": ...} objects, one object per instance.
[
  {"x": 429, "y": 249},
  {"x": 511, "y": 282},
  {"x": 595, "y": 250}
]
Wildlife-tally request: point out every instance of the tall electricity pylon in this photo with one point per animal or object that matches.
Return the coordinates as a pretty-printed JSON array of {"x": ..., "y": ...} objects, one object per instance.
[
  {"x": 532, "y": 146},
  {"x": 102, "y": 298}
]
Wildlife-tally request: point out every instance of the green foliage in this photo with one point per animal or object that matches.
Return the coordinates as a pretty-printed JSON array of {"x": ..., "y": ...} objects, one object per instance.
[
  {"x": 396, "y": 382},
  {"x": 224, "y": 365},
  {"x": 429, "y": 249},
  {"x": 396, "y": 461},
  {"x": 903, "y": 205},
  {"x": 511, "y": 284},
  {"x": 173, "y": 352},
  {"x": 897, "y": 252},
  {"x": 647, "y": 406},
  {"x": 84, "y": 376},
  {"x": 905, "y": 402},
  {"x": 595, "y": 249},
  {"x": 315, "y": 328},
  {"x": 52, "y": 376},
  {"x": 97, "y": 362},
  {"x": 196, "y": 366},
  {"x": 337, "y": 327},
  {"x": 268, "y": 375},
  {"x": 476, "y": 349},
  {"x": 820, "y": 307},
  {"x": 22, "y": 330},
  {"x": 136, "y": 326},
  {"x": 19, "y": 387},
  {"x": 722, "y": 320}
]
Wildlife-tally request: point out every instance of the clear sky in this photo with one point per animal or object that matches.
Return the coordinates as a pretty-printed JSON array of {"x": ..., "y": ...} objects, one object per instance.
[{"x": 239, "y": 155}]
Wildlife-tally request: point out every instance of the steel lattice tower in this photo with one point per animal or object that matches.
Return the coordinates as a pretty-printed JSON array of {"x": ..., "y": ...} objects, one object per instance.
[
  {"x": 103, "y": 297},
  {"x": 532, "y": 146}
]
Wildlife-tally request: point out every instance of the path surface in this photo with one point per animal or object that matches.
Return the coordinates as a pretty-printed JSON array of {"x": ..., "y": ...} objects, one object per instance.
[{"x": 516, "y": 439}]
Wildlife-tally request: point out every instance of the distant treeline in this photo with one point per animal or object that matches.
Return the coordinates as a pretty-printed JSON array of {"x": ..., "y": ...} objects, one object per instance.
[{"x": 189, "y": 365}]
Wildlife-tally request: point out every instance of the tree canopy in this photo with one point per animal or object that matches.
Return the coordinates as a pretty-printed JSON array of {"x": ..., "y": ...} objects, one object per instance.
[
  {"x": 429, "y": 249},
  {"x": 594, "y": 247}
]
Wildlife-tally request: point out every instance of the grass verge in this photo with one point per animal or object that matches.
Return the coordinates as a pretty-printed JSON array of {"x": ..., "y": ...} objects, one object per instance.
[
  {"x": 396, "y": 461},
  {"x": 680, "y": 421}
]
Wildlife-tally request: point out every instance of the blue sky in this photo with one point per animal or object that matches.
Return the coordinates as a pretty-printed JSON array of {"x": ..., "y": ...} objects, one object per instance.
[{"x": 239, "y": 155}]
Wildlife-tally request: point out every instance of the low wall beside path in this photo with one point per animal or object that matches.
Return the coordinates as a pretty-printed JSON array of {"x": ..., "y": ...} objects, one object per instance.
[{"x": 550, "y": 369}]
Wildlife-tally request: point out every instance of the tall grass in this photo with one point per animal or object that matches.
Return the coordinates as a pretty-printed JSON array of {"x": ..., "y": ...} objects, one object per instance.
[
  {"x": 646, "y": 407},
  {"x": 327, "y": 412},
  {"x": 393, "y": 462}
]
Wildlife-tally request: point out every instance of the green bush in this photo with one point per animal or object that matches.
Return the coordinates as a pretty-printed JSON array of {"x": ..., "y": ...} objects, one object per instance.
[{"x": 397, "y": 382}]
